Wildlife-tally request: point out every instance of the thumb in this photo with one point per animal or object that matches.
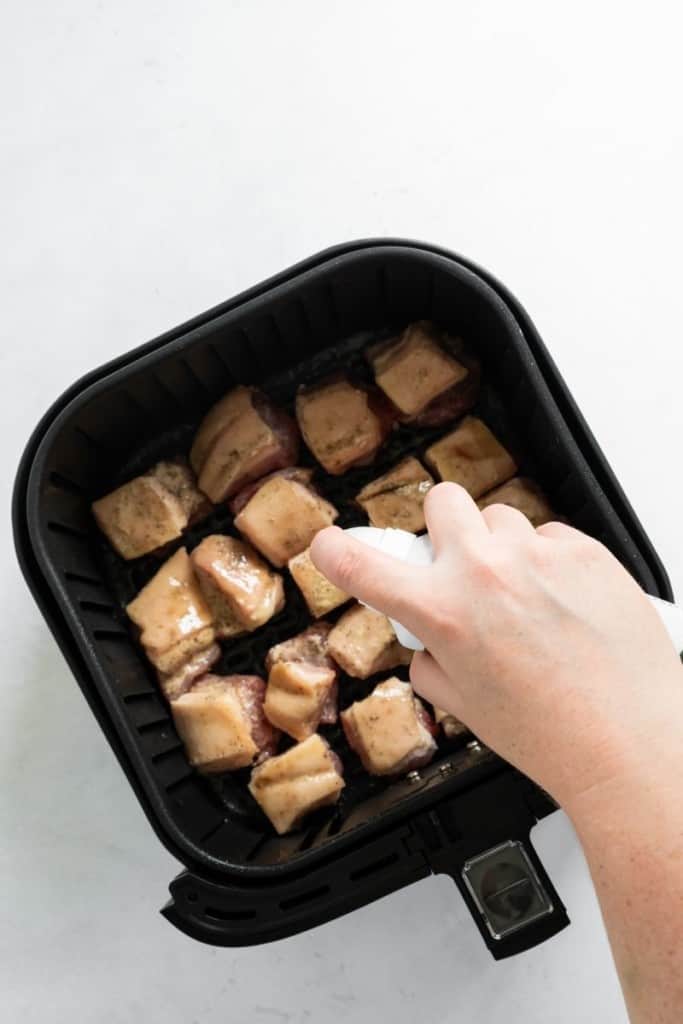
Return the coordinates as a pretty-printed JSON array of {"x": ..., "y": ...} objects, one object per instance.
[{"x": 385, "y": 583}]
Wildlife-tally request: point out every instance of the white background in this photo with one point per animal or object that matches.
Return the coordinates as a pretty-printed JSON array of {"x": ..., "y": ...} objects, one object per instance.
[{"x": 157, "y": 157}]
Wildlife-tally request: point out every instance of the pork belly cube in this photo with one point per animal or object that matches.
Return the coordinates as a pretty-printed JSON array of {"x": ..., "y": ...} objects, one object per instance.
[
  {"x": 241, "y": 590},
  {"x": 320, "y": 595},
  {"x": 420, "y": 374},
  {"x": 363, "y": 642},
  {"x": 178, "y": 478},
  {"x": 391, "y": 730},
  {"x": 471, "y": 456},
  {"x": 297, "y": 695},
  {"x": 175, "y": 684},
  {"x": 243, "y": 437},
  {"x": 309, "y": 647},
  {"x": 524, "y": 495},
  {"x": 451, "y": 726},
  {"x": 342, "y": 423},
  {"x": 151, "y": 510},
  {"x": 395, "y": 500},
  {"x": 283, "y": 515},
  {"x": 222, "y": 723},
  {"x": 174, "y": 619},
  {"x": 293, "y": 784}
]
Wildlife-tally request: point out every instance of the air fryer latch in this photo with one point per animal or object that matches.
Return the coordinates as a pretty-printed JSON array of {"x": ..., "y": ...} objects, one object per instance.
[{"x": 481, "y": 839}]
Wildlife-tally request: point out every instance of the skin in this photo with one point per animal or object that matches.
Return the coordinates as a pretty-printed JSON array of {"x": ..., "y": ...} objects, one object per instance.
[{"x": 548, "y": 650}]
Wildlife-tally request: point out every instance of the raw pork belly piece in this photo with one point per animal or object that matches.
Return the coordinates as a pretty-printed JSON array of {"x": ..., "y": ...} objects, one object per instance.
[
  {"x": 150, "y": 511},
  {"x": 175, "y": 684},
  {"x": 395, "y": 500},
  {"x": 450, "y": 725},
  {"x": 426, "y": 373},
  {"x": 222, "y": 724},
  {"x": 320, "y": 595},
  {"x": 281, "y": 515},
  {"x": 472, "y": 457},
  {"x": 297, "y": 695},
  {"x": 241, "y": 438},
  {"x": 363, "y": 642},
  {"x": 241, "y": 590},
  {"x": 524, "y": 495},
  {"x": 291, "y": 785},
  {"x": 391, "y": 731},
  {"x": 342, "y": 423},
  {"x": 176, "y": 625},
  {"x": 309, "y": 647}
]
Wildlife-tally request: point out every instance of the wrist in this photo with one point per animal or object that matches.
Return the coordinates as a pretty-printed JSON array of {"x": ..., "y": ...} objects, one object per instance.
[{"x": 642, "y": 784}]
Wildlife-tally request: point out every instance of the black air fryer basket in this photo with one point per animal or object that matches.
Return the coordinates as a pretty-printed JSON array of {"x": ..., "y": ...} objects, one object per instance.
[{"x": 468, "y": 814}]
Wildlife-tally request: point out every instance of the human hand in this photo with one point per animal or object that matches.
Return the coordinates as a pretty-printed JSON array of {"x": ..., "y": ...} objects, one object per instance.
[{"x": 539, "y": 640}]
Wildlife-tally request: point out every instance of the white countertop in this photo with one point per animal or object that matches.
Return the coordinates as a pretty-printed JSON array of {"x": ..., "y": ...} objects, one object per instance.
[{"x": 159, "y": 157}]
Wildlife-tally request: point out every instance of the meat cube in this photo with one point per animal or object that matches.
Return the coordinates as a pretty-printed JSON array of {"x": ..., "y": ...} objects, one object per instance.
[
  {"x": 452, "y": 727},
  {"x": 342, "y": 423},
  {"x": 240, "y": 589},
  {"x": 426, "y": 373},
  {"x": 524, "y": 495},
  {"x": 243, "y": 437},
  {"x": 293, "y": 784},
  {"x": 297, "y": 695},
  {"x": 175, "y": 684},
  {"x": 309, "y": 648},
  {"x": 363, "y": 642},
  {"x": 471, "y": 456},
  {"x": 283, "y": 514},
  {"x": 178, "y": 479},
  {"x": 390, "y": 730},
  {"x": 222, "y": 724},
  {"x": 320, "y": 595},
  {"x": 395, "y": 500},
  {"x": 151, "y": 510},
  {"x": 174, "y": 619}
]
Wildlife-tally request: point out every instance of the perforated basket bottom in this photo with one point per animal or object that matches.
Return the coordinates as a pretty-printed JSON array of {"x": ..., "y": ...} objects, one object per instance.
[{"x": 247, "y": 654}]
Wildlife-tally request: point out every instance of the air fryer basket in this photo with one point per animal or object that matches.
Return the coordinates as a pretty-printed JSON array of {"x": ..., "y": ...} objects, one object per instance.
[{"x": 243, "y": 883}]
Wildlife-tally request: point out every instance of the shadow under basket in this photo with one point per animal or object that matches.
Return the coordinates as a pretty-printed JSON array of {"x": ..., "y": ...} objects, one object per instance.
[{"x": 468, "y": 814}]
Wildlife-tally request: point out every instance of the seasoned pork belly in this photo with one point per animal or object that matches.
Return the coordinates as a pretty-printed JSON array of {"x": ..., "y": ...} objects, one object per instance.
[
  {"x": 395, "y": 500},
  {"x": 293, "y": 784},
  {"x": 320, "y": 595},
  {"x": 363, "y": 642},
  {"x": 151, "y": 510},
  {"x": 342, "y": 423},
  {"x": 297, "y": 696},
  {"x": 310, "y": 648},
  {"x": 391, "y": 731},
  {"x": 222, "y": 724},
  {"x": 175, "y": 684},
  {"x": 282, "y": 514},
  {"x": 427, "y": 374},
  {"x": 174, "y": 619},
  {"x": 242, "y": 437},
  {"x": 471, "y": 456},
  {"x": 241, "y": 590},
  {"x": 450, "y": 725},
  {"x": 524, "y": 495}
]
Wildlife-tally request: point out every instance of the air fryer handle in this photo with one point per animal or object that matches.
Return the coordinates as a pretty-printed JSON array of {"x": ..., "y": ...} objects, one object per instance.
[{"x": 513, "y": 903}]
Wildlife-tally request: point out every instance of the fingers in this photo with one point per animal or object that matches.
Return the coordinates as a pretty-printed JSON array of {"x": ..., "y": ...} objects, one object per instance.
[
  {"x": 452, "y": 517},
  {"x": 558, "y": 531},
  {"x": 385, "y": 583},
  {"x": 507, "y": 522},
  {"x": 431, "y": 682}
]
